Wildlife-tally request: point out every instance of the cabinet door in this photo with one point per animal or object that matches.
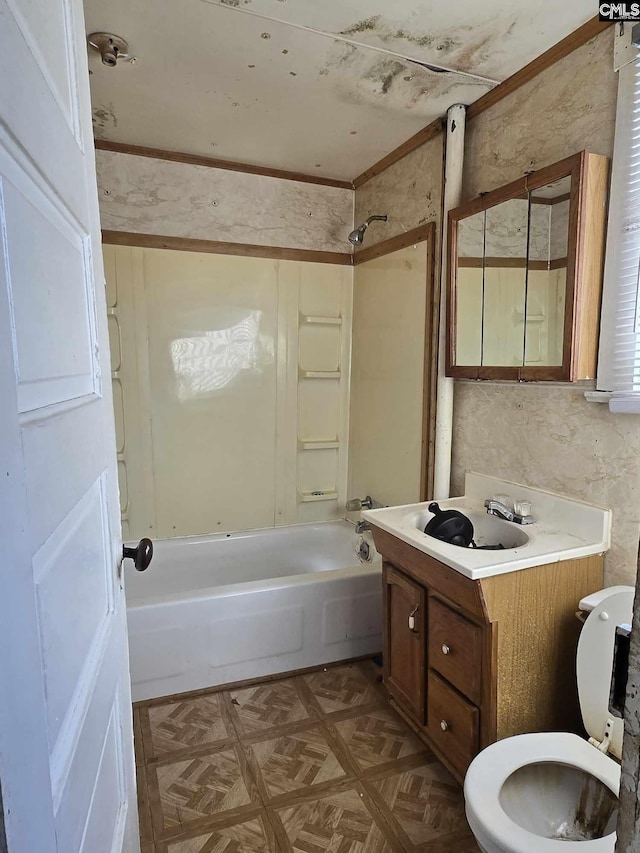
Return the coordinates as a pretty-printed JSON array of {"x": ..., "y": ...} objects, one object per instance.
[{"x": 405, "y": 622}]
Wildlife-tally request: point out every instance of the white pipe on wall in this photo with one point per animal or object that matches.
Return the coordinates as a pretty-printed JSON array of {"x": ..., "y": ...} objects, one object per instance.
[{"x": 454, "y": 159}]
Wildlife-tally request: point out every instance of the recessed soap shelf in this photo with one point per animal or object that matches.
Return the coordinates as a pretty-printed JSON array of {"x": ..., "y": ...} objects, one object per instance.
[
  {"x": 331, "y": 444},
  {"x": 320, "y": 374},
  {"x": 312, "y": 497},
  {"x": 312, "y": 320}
]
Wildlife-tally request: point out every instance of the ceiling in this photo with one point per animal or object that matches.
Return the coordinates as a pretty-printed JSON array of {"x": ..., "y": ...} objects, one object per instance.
[{"x": 325, "y": 87}]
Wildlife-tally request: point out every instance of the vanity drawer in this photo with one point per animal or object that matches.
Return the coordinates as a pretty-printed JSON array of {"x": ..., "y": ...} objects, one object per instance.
[
  {"x": 455, "y": 649},
  {"x": 452, "y": 723}
]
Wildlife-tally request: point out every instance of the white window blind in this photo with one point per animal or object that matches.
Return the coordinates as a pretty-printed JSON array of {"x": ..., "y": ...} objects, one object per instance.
[{"x": 619, "y": 360}]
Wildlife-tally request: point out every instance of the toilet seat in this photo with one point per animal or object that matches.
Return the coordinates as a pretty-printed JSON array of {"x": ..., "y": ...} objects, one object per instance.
[
  {"x": 594, "y": 665},
  {"x": 492, "y": 767},
  {"x": 485, "y": 786}
]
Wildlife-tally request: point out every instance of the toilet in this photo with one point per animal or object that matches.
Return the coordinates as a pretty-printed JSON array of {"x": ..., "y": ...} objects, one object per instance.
[{"x": 533, "y": 793}]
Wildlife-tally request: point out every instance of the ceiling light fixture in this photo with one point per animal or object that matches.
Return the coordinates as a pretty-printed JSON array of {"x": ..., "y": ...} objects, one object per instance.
[{"x": 110, "y": 47}]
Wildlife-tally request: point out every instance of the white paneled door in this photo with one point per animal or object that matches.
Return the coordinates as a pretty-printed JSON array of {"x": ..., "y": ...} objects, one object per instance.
[{"x": 66, "y": 746}]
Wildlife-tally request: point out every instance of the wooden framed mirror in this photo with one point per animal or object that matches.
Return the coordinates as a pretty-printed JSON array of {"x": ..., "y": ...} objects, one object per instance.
[{"x": 525, "y": 276}]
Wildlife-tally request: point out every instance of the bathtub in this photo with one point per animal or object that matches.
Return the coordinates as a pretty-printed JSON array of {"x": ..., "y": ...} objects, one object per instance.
[{"x": 217, "y": 609}]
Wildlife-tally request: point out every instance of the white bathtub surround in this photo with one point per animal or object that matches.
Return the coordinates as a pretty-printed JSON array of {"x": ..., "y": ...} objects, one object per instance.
[
  {"x": 564, "y": 529},
  {"x": 231, "y": 390},
  {"x": 224, "y": 608},
  {"x": 387, "y": 375}
]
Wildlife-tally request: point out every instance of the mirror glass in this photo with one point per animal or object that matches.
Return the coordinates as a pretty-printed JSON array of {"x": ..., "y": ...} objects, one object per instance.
[
  {"x": 505, "y": 283},
  {"x": 511, "y": 281},
  {"x": 469, "y": 289},
  {"x": 547, "y": 274}
]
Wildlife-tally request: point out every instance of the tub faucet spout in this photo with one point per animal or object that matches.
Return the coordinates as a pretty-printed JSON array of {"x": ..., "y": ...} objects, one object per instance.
[{"x": 362, "y": 527}]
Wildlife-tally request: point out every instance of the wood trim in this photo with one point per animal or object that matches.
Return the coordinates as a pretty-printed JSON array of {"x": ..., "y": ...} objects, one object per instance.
[
  {"x": 528, "y": 183},
  {"x": 216, "y": 247},
  {"x": 588, "y": 275},
  {"x": 394, "y": 244},
  {"x": 414, "y": 142},
  {"x": 496, "y": 373},
  {"x": 563, "y": 48},
  {"x": 558, "y": 263},
  {"x": 543, "y": 374},
  {"x": 572, "y": 288},
  {"x": 513, "y": 190},
  {"x": 550, "y": 201},
  {"x": 579, "y": 331},
  {"x": 509, "y": 263},
  {"x": 214, "y": 163},
  {"x": 567, "y": 168}
]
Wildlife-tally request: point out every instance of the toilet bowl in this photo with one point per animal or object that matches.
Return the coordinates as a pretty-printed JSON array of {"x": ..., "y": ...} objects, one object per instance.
[{"x": 533, "y": 793}]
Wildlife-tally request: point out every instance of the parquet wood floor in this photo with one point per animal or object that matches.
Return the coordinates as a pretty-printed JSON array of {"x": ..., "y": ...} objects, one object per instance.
[{"x": 312, "y": 763}]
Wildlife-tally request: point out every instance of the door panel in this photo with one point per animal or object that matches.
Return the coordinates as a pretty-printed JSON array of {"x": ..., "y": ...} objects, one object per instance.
[
  {"x": 72, "y": 628},
  {"x": 61, "y": 367},
  {"x": 45, "y": 27},
  {"x": 66, "y": 749},
  {"x": 104, "y": 811},
  {"x": 405, "y": 632}
]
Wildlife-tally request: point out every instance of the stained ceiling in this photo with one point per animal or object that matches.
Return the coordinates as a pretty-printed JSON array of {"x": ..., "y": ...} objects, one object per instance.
[{"x": 325, "y": 87}]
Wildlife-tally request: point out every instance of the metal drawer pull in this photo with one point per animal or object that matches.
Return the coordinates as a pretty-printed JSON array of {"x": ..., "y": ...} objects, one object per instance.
[
  {"x": 444, "y": 725},
  {"x": 446, "y": 650},
  {"x": 412, "y": 619}
]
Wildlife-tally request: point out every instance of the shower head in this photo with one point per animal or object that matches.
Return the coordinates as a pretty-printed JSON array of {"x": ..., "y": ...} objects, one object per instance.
[{"x": 357, "y": 235}]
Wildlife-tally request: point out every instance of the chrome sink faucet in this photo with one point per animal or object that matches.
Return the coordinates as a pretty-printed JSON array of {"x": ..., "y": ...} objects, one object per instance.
[{"x": 500, "y": 510}]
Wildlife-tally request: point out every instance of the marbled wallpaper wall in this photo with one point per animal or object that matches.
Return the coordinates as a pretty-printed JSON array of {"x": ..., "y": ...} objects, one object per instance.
[
  {"x": 149, "y": 196},
  {"x": 545, "y": 435},
  {"x": 550, "y": 436},
  {"x": 409, "y": 192},
  {"x": 567, "y": 108}
]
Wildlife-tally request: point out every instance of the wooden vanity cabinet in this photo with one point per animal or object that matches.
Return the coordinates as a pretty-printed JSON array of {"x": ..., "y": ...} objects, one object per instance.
[
  {"x": 404, "y": 603},
  {"x": 467, "y": 662}
]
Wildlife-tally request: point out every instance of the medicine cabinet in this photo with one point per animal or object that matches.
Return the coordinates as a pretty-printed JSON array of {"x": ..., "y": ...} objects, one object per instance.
[{"x": 525, "y": 276}]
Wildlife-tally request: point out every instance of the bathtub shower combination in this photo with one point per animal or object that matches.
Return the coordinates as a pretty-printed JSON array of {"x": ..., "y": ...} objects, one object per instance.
[
  {"x": 237, "y": 409},
  {"x": 228, "y": 607}
]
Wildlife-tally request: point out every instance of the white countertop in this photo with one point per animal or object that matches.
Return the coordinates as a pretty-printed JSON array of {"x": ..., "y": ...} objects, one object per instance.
[{"x": 564, "y": 529}]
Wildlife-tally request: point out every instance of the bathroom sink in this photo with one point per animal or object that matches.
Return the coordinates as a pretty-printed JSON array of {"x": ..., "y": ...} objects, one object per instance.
[
  {"x": 487, "y": 529},
  {"x": 563, "y": 529}
]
